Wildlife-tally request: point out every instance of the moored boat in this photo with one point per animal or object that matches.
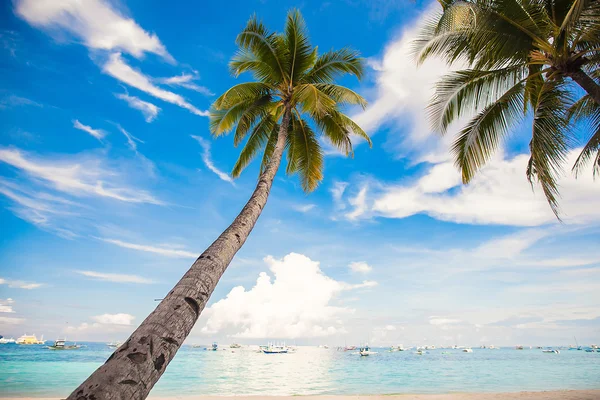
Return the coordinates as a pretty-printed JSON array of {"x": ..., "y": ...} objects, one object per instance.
[
  {"x": 467, "y": 350},
  {"x": 60, "y": 344},
  {"x": 234, "y": 346},
  {"x": 274, "y": 349},
  {"x": 553, "y": 351},
  {"x": 114, "y": 344},
  {"x": 7, "y": 341}
]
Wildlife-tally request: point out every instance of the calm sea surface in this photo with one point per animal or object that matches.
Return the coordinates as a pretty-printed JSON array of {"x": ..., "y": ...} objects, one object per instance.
[{"x": 37, "y": 371}]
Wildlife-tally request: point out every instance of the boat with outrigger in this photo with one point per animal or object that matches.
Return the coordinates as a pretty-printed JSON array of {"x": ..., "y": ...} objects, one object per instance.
[{"x": 60, "y": 344}]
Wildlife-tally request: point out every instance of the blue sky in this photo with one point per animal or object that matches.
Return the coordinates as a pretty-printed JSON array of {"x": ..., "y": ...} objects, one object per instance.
[{"x": 110, "y": 185}]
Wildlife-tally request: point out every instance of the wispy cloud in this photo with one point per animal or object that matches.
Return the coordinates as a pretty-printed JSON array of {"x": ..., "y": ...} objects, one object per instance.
[
  {"x": 185, "y": 81},
  {"x": 84, "y": 177},
  {"x": 114, "y": 319},
  {"x": 304, "y": 208},
  {"x": 131, "y": 140},
  {"x": 208, "y": 161},
  {"x": 149, "y": 110},
  {"x": 164, "y": 251},
  {"x": 17, "y": 101},
  {"x": 97, "y": 133},
  {"x": 117, "y": 68},
  {"x": 118, "y": 278},
  {"x": 20, "y": 284},
  {"x": 6, "y": 305},
  {"x": 96, "y": 22}
]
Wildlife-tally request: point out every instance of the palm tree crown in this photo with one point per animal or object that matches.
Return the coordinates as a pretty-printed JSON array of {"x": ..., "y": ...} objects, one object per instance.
[
  {"x": 519, "y": 54},
  {"x": 294, "y": 88}
]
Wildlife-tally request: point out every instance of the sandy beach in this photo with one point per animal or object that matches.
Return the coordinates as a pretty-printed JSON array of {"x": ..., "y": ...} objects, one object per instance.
[{"x": 547, "y": 395}]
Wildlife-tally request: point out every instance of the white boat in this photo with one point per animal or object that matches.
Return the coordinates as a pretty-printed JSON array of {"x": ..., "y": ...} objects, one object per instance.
[
  {"x": 235, "y": 346},
  {"x": 114, "y": 344},
  {"x": 519, "y": 347},
  {"x": 30, "y": 339},
  {"x": 274, "y": 349},
  {"x": 492, "y": 347},
  {"x": 366, "y": 351},
  {"x": 420, "y": 352},
  {"x": 551, "y": 351},
  {"x": 467, "y": 350},
  {"x": 7, "y": 341}
]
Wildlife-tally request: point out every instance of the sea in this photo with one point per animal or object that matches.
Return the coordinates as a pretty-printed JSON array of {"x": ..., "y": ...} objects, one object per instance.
[{"x": 35, "y": 371}]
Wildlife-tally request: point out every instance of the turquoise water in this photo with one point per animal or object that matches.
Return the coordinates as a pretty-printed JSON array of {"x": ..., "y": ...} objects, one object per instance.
[{"x": 37, "y": 371}]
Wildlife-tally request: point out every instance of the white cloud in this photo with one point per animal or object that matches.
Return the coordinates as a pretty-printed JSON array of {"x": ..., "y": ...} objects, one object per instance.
[
  {"x": 117, "y": 68},
  {"x": 390, "y": 328},
  {"x": 114, "y": 319},
  {"x": 6, "y": 305},
  {"x": 443, "y": 321},
  {"x": 164, "y": 251},
  {"x": 17, "y": 101},
  {"x": 359, "y": 202},
  {"x": 208, "y": 161},
  {"x": 119, "y": 278},
  {"x": 185, "y": 81},
  {"x": 499, "y": 194},
  {"x": 131, "y": 140},
  {"x": 337, "y": 192},
  {"x": 149, "y": 110},
  {"x": 20, "y": 284},
  {"x": 11, "y": 320},
  {"x": 360, "y": 266},
  {"x": 97, "y": 133},
  {"x": 83, "y": 177},
  {"x": 277, "y": 306},
  {"x": 304, "y": 208},
  {"x": 96, "y": 22}
]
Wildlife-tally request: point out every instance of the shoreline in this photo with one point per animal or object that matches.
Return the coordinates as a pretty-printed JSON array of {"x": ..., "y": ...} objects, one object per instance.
[{"x": 586, "y": 394}]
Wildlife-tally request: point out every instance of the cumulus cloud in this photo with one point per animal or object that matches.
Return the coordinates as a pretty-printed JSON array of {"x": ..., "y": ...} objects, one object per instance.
[
  {"x": 96, "y": 22},
  {"x": 149, "y": 110},
  {"x": 206, "y": 157},
  {"x": 360, "y": 266},
  {"x": 118, "y": 68},
  {"x": 118, "y": 278},
  {"x": 278, "y": 307},
  {"x": 185, "y": 81},
  {"x": 80, "y": 177},
  {"x": 163, "y": 251},
  {"x": 6, "y": 305},
  {"x": 15, "y": 284},
  {"x": 114, "y": 319},
  {"x": 97, "y": 133}
]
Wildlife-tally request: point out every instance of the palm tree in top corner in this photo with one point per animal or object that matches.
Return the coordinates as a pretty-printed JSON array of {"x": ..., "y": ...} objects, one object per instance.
[{"x": 291, "y": 102}]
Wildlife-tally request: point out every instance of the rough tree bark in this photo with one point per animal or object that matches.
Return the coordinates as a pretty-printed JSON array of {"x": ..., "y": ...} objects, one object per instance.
[
  {"x": 134, "y": 368},
  {"x": 587, "y": 83}
]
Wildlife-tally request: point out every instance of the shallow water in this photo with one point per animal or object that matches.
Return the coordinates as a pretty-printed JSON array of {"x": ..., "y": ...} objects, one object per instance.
[{"x": 37, "y": 371}]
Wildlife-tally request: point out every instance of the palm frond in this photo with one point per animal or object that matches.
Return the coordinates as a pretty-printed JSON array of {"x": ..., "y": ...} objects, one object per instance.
[
  {"x": 333, "y": 64},
  {"x": 308, "y": 155},
  {"x": 550, "y": 140},
  {"x": 257, "y": 140},
  {"x": 266, "y": 47},
  {"x": 341, "y": 95},
  {"x": 586, "y": 112},
  {"x": 312, "y": 100},
  {"x": 480, "y": 138},
  {"x": 243, "y": 92},
  {"x": 302, "y": 55}
]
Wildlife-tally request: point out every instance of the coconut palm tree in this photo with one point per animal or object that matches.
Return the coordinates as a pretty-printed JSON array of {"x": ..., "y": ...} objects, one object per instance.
[
  {"x": 521, "y": 56},
  {"x": 292, "y": 102}
]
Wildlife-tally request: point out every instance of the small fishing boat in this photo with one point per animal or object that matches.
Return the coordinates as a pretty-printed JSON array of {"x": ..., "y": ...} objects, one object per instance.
[
  {"x": 4, "y": 340},
  {"x": 519, "y": 347},
  {"x": 214, "y": 347},
  {"x": 30, "y": 339},
  {"x": 234, "y": 346},
  {"x": 420, "y": 352},
  {"x": 114, "y": 344},
  {"x": 467, "y": 350},
  {"x": 60, "y": 344},
  {"x": 551, "y": 351},
  {"x": 366, "y": 351}
]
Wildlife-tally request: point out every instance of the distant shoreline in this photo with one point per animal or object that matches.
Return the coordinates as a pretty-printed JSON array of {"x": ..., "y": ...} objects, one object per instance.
[{"x": 542, "y": 395}]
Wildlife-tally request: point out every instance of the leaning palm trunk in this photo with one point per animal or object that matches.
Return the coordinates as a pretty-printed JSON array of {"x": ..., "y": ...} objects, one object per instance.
[
  {"x": 586, "y": 83},
  {"x": 135, "y": 367}
]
